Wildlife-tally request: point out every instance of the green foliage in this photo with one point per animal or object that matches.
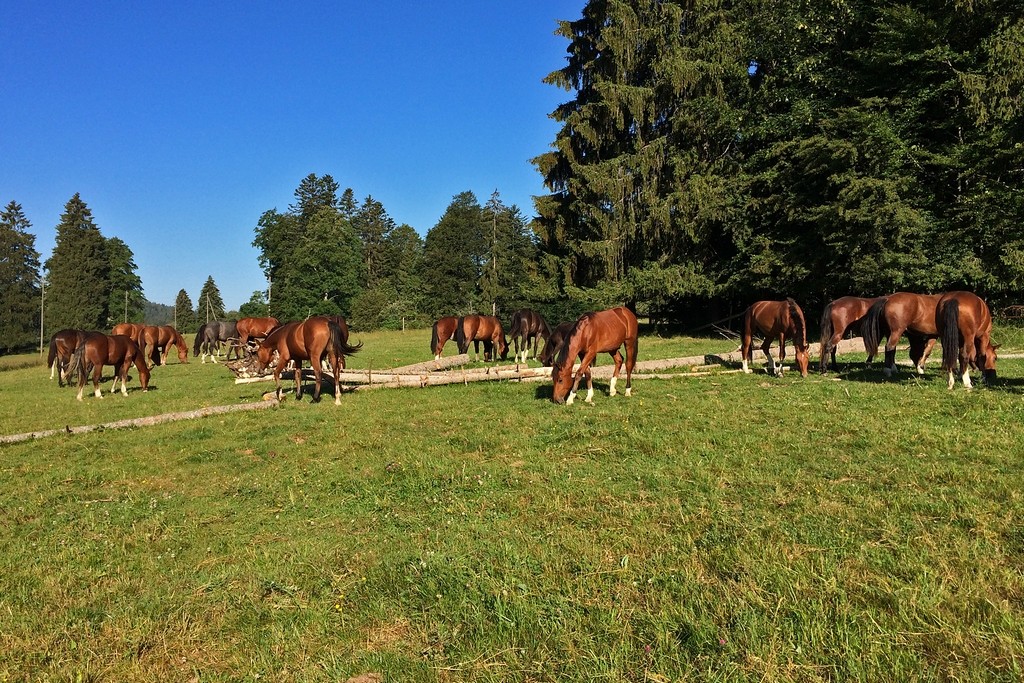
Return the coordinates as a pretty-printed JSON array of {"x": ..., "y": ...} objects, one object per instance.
[
  {"x": 210, "y": 304},
  {"x": 78, "y": 293},
  {"x": 454, "y": 254},
  {"x": 185, "y": 319},
  {"x": 256, "y": 306},
  {"x": 126, "y": 303},
  {"x": 19, "y": 280}
]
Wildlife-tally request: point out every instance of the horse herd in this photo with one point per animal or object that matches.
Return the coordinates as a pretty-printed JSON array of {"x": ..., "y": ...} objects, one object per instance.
[{"x": 960, "y": 320}]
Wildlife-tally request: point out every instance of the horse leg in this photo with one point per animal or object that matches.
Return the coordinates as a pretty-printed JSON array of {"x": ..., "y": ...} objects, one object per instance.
[
  {"x": 929, "y": 345},
  {"x": 297, "y": 374},
  {"x": 782, "y": 353},
  {"x": 124, "y": 375},
  {"x": 97, "y": 377},
  {"x": 617, "y": 355},
  {"x": 745, "y": 352},
  {"x": 766, "y": 349},
  {"x": 890, "y": 350},
  {"x": 277, "y": 379},
  {"x": 584, "y": 370}
]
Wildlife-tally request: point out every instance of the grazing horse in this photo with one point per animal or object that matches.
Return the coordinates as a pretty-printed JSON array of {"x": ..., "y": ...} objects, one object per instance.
[
  {"x": 133, "y": 330},
  {"x": 442, "y": 331},
  {"x": 898, "y": 313},
  {"x": 775, "y": 319},
  {"x": 98, "y": 349},
  {"x": 211, "y": 335},
  {"x": 313, "y": 339},
  {"x": 843, "y": 315},
  {"x": 965, "y": 326},
  {"x": 254, "y": 328},
  {"x": 481, "y": 328},
  {"x": 526, "y": 325},
  {"x": 555, "y": 339},
  {"x": 591, "y": 334},
  {"x": 62, "y": 345},
  {"x": 161, "y": 339}
]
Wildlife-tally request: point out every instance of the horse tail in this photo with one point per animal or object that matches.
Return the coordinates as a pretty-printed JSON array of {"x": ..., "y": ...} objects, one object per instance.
[
  {"x": 77, "y": 364},
  {"x": 339, "y": 340},
  {"x": 460, "y": 335},
  {"x": 747, "y": 342},
  {"x": 515, "y": 329},
  {"x": 433, "y": 338},
  {"x": 949, "y": 321},
  {"x": 826, "y": 337},
  {"x": 199, "y": 339},
  {"x": 799, "y": 324},
  {"x": 871, "y": 327},
  {"x": 52, "y": 355}
]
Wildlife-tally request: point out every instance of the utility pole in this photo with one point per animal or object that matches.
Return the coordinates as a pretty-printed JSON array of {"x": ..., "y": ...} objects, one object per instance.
[
  {"x": 126, "y": 305},
  {"x": 42, "y": 299}
]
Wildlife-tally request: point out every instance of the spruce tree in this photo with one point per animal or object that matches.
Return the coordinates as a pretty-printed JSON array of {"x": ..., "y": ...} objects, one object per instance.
[
  {"x": 454, "y": 253},
  {"x": 210, "y": 306},
  {"x": 184, "y": 315},
  {"x": 78, "y": 294},
  {"x": 126, "y": 302},
  {"x": 19, "y": 280}
]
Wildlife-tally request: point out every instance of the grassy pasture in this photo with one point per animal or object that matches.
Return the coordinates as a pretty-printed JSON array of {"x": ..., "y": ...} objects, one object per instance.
[{"x": 732, "y": 527}]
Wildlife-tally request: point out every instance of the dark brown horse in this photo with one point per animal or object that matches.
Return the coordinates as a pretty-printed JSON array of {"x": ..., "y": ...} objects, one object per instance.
[
  {"x": 314, "y": 339},
  {"x": 899, "y": 313},
  {"x": 442, "y": 331},
  {"x": 62, "y": 346},
  {"x": 555, "y": 340},
  {"x": 591, "y": 334},
  {"x": 254, "y": 328},
  {"x": 527, "y": 325},
  {"x": 965, "y": 327},
  {"x": 133, "y": 330},
  {"x": 844, "y": 315},
  {"x": 98, "y": 349},
  {"x": 775, "y": 319},
  {"x": 159, "y": 340},
  {"x": 481, "y": 328}
]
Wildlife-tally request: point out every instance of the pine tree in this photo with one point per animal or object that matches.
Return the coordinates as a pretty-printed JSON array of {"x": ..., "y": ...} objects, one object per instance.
[
  {"x": 210, "y": 305},
  {"x": 373, "y": 225},
  {"x": 184, "y": 315},
  {"x": 256, "y": 306},
  {"x": 126, "y": 302},
  {"x": 454, "y": 252},
  {"x": 78, "y": 294},
  {"x": 19, "y": 280}
]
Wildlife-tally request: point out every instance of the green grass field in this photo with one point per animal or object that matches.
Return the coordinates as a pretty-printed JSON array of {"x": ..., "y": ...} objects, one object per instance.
[{"x": 731, "y": 527}]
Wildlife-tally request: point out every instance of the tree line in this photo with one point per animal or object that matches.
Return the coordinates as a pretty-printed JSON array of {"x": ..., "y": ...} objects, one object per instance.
[{"x": 715, "y": 152}]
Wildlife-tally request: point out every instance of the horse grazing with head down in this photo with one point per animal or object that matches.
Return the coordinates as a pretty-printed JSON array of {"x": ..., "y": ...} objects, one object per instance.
[
  {"x": 527, "y": 325},
  {"x": 554, "y": 342},
  {"x": 159, "y": 340},
  {"x": 442, "y": 331},
  {"x": 210, "y": 337},
  {"x": 965, "y": 327},
  {"x": 315, "y": 339},
  {"x": 775, "y": 319},
  {"x": 481, "y": 328},
  {"x": 899, "y": 313},
  {"x": 591, "y": 334},
  {"x": 96, "y": 350},
  {"x": 62, "y": 346},
  {"x": 254, "y": 328},
  {"x": 841, "y": 316}
]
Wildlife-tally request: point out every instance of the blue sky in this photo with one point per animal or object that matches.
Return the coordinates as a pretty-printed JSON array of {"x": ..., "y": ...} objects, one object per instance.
[{"x": 180, "y": 123}]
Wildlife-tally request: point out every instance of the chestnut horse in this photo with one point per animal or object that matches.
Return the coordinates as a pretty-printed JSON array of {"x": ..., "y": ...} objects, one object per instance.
[
  {"x": 442, "y": 331},
  {"x": 161, "y": 339},
  {"x": 133, "y": 330},
  {"x": 965, "y": 327},
  {"x": 254, "y": 328},
  {"x": 775, "y": 319},
  {"x": 98, "y": 349},
  {"x": 591, "y": 334},
  {"x": 481, "y": 328},
  {"x": 314, "y": 339},
  {"x": 527, "y": 325},
  {"x": 841, "y": 316},
  {"x": 555, "y": 339},
  {"x": 899, "y": 313},
  {"x": 62, "y": 345}
]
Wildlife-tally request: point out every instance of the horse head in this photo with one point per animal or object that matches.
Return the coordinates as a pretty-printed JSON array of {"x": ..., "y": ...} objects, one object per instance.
[
  {"x": 561, "y": 375},
  {"x": 264, "y": 355},
  {"x": 503, "y": 347},
  {"x": 988, "y": 361}
]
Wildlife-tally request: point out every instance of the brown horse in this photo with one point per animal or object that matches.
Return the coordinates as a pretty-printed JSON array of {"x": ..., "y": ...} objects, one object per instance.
[
  {"x": 481, "y": 328},
  {"x": 62, "y": 345},
  {"x": 775, "y": 319},
  {"x": 551, "y": 346},
  {"x": 965, "y": 327},
  {"x": 254, "y": 328},
  {"x": 591, "y": 334},
  {"x": 133, "y": 330},
  {"x": 314, "y": 339},
  {"x": 841, "y": 316},
  {"x": 442, "y": 331},
  {"x": 161, "y": 339},
  {"x": 899, "y": 313},
  {"x": 98, "y": 349},
  {"x": 527, "y": 325}
]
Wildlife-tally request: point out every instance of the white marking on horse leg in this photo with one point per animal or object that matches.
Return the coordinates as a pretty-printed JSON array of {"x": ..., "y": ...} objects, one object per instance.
[
  {"x": 920, "y": 368},
  {"x": 52, "y": 368},
  {"x": 967, "y": 380},
  {"x": 572, "y": 397},
  {"x": 611, "y": 389},
  {"x": 98, "y": 393},
  {"x": 951, "y": 380},
  {"x": 745, "y": 368},
  {"x": 79, "y": 397},
  {"x": 437, "y": 356},
  {"x": 629, "y": 391},
  {"x": 590, "y": 395},
  {"x": 124, "y": 389}
]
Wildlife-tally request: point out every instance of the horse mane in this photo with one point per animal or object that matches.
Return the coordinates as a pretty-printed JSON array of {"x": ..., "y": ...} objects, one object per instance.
[
  {"x": 799, "y": 325},
  {"x": 563, "y": 350}
]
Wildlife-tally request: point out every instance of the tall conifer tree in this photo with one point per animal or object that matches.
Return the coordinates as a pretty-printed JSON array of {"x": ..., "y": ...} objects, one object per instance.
[
  {"x": 19, "y": 280},
  {"x": 78, "y": 295},
  {"x": 210, "y": 305},
  {"x": 126, "y": 303},
  {"x": 184, "y": 315}
]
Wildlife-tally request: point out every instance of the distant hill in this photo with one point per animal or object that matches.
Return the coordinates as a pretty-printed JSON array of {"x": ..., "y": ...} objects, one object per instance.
[{"x": 158, "y": 314}]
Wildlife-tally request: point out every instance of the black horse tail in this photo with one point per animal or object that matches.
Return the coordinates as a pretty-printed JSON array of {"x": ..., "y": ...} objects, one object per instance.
[
  {"x": 52, "y": 355},
  {"x": 199, "y": 339},
  {"x": 516, "y": 326},
  {"x": 77, "y": 364},
  {"x": 339, "y": 340},
  {"x": 871, "y": 328},
  {"x": 799, "y": 324},
  {"x": 433, "y": 339},
  {"x": 460, "y": 335},
  {"x": 949, "y": 321},
  {"x": 826, "y": 336}
]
